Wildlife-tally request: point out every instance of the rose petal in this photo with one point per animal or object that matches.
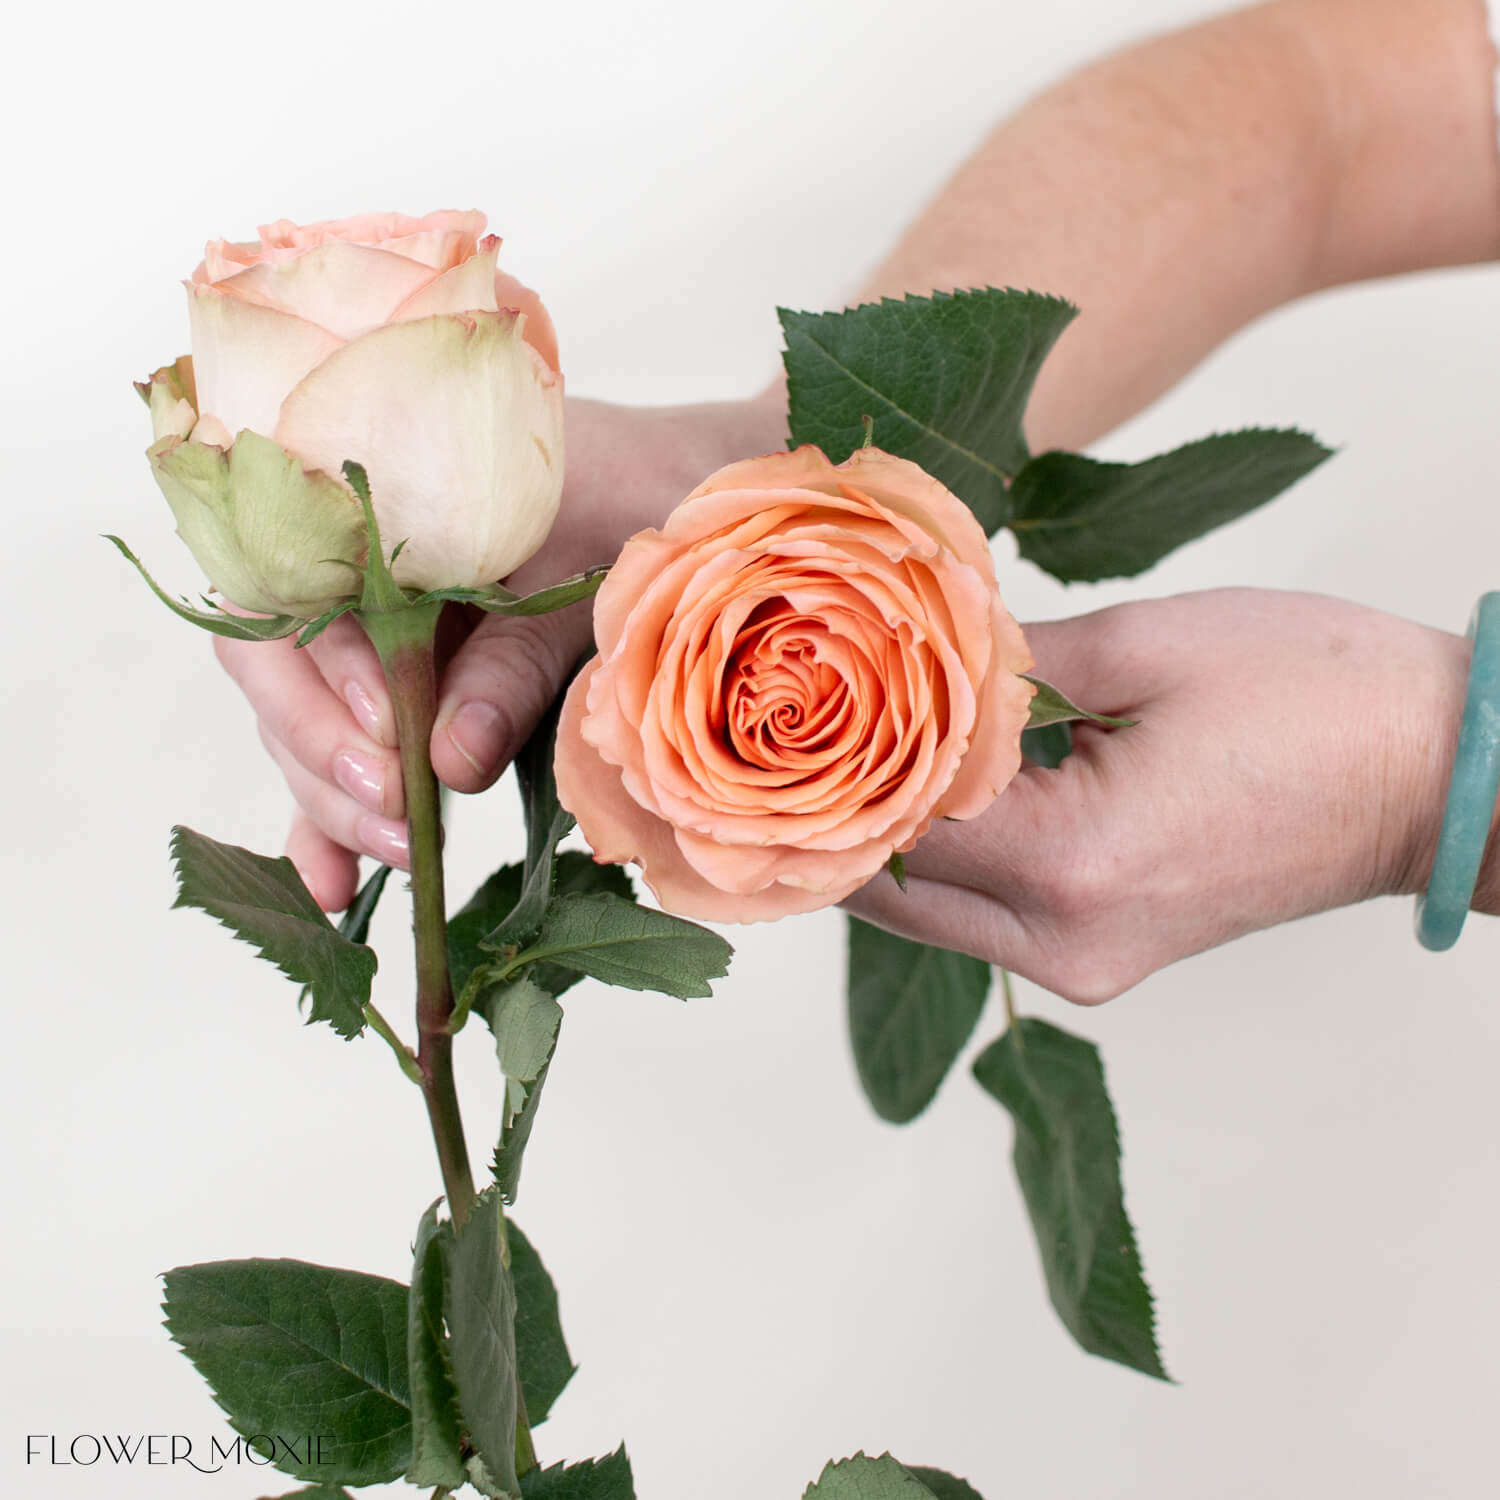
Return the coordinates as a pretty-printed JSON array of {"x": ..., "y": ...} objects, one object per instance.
[
  {"x": 620, "y": 832},
  {"x": 466, "y": 288},
  {"x": 459, "y": 426},
  {"x": 439, "y": 240},
  {"x": 540, "y": 334},
  {"x": 247, "y": 358},
  {"x": 347, "y": 289}
]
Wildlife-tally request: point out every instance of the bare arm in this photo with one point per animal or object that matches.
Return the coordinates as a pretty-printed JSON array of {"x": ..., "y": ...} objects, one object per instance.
[{"x": 1178, "y": 190}]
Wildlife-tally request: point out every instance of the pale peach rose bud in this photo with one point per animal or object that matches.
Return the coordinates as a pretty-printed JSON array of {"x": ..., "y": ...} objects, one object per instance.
[
  {"x": 796, "y": 675},
  {"x": 391, "y": 341}
]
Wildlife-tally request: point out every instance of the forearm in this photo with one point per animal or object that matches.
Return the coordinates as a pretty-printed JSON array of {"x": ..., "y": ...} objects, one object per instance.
[{"x": 1177, "y": 190}]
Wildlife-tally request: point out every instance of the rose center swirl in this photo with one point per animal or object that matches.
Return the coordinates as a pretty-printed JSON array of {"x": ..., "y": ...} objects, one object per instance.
[{"x": 787, "y": 705}]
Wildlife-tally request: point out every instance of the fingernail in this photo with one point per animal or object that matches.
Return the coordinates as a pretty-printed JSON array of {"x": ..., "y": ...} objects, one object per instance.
[
  {"x": 362, "y": 706},
  {"x": 383, "y": 839},
  {"x": 362, "y": 777},
  {"x": 477, "y": 734}
]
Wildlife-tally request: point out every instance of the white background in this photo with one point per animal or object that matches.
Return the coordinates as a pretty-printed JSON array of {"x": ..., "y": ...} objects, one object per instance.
[{"x": 755, "y": 1273}]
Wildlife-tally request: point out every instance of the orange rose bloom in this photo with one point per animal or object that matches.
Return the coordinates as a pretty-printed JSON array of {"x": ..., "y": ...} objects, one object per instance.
[{"x": 796, "y": 675}]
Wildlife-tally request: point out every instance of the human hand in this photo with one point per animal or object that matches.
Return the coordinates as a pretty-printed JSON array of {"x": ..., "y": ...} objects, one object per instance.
[
  {"x": 323, "y": 711},
  {"x": 1292, "y": 755}
]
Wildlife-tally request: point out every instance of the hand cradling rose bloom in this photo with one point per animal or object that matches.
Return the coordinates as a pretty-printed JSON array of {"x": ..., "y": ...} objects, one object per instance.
[
  {"x": 796, "y": 675},
  {"x": 391, "y": 341}
]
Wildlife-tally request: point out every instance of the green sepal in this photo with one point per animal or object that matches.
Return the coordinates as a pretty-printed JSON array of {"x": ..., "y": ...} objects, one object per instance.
[
  {"x": 213, "y": 619},
  {"x": 1049, "y": 706},
  {"x": 1067, "y": 1157},
  {"x": 501, "y": 601},
  {"x": 896, "y": 865},
  {"x": 273, "y": 534},
  {"x": 1081, "y": 519},
  {"x": 607, "y": 1478},
  {"x": 437, "y": 1444},
  {"x": 479, "y": 1306},
  {"x": 946, "y": 378},
  {"x": 381, "y": 594},
  {"x": 291, "y": 1348},
  {"x": 315, "y": 628},
  {"x": 911, "y": 1009},
  {"x": 264, "y": 902}
]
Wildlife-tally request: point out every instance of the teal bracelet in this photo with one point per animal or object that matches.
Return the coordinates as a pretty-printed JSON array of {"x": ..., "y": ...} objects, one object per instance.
[{"x": 1471, "y": 790}]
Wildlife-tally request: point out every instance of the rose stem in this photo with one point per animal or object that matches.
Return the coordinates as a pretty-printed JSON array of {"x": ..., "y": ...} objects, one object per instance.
[
  {"x": 1010, "y": 1006},
  {"x": 404, "y": 639}
]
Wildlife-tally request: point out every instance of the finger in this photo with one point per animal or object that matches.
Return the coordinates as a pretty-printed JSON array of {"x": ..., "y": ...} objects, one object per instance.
[
  {"x": 348, "y": 663},
  {"x": 946, "y": 915},
  {"x": 328, "y": 870},
  {"x": 1101, "y": 660},
  {"x": 502, "y": 681},
  {"x": 338, "y": 815},
  {"x": 313, "y": 728}
]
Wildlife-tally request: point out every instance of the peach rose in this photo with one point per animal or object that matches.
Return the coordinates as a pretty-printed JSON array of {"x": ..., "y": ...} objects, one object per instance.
[
  {"x": 392, "y": 341},
  {"x": 796, "y": 675}
]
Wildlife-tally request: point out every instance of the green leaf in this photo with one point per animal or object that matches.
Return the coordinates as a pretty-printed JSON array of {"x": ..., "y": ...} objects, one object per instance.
[
  {"x": 291, "y": 1348},
  {"x": 1049, "y": 706},
  {"x": 632, "y": 946},
  {"x": 1067, "y": 1156},
  {"x": 213, "y": 619},
  {"x": 500, "y": 601},
  {"x": 355, "y": 923},
  {"x": 436, "y": 1446},
  {"x": 264, "y": 902},
  {"x": 911, "y": 1009},
  {"x": 593, "y": 1479},
  {"x": 946, "y": 379},
  {"x": 541, "y": 1350},
  {"x": 515, "y": 1133},
  {"x": 1081, "y": 519},
  {"x": 468, "y": 929},
  {"x": 480, "y": 1309},
  {"x": 314, "y": 1492},
  {"x": 475, "y": 920},
  {"x": 1049, "y": 746},
  {"x": 524, "y": 1018},
  {"x": 861, "y": 1478},
  {"x": 943, "y": 1485},
  {"x": 547, "y": 823}
]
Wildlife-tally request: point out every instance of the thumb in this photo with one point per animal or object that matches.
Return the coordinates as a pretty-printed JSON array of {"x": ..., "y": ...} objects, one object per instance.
[
  {"x": 1097, "y": 660},
  {"x": 498, "y": 686}
]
